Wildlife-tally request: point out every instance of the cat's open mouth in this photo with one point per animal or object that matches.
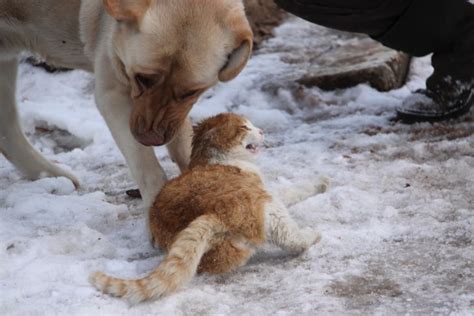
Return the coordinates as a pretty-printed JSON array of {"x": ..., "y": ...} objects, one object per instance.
[{"x": 253, "y": 148}]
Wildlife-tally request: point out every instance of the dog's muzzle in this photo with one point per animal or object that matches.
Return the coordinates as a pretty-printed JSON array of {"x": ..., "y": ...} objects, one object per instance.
[{"x": 151, "y": 139}]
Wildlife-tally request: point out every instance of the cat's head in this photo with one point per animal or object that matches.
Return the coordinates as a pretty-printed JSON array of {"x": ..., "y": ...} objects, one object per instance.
[{"x": 225, "y": 136}]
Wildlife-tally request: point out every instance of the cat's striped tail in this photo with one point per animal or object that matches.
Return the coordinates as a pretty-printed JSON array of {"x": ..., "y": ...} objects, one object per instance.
[{"x": 178, "y": 267}]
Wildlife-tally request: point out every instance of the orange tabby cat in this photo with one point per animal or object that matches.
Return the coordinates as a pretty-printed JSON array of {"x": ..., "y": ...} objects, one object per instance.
[{"x": 210, "y": 218}]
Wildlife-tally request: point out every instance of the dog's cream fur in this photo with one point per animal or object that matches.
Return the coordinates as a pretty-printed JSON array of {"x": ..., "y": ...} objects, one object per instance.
[{"x": 152, "y": 59}]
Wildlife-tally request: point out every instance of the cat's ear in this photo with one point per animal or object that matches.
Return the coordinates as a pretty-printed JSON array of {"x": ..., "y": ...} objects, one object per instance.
[
  {"x": 204, "y": 135},
  {"x": 209, "y": 135}
]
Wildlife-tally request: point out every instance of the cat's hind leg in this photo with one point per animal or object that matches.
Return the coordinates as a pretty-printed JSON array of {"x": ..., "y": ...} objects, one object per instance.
[
  {"x": 225, "y": 257},
  {"x": 283, "y": 231}
]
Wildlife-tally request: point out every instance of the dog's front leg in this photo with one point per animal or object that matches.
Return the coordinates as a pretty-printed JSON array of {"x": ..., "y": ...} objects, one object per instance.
[
  {"x": 115, "y": 104},
  {"x": 180, "y": 147},
  {"x": 115, "y": 107}
]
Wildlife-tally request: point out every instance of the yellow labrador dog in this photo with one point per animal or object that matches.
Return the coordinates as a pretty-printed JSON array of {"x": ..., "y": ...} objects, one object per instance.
[{"x": 152, "y": 60}]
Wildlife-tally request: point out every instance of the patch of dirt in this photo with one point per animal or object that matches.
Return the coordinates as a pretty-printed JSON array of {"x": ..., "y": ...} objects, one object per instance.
[
  {"x": 370, "y": 285},
  {"x": 449, "y": 130},
  {"x": 62, "y": 140}
]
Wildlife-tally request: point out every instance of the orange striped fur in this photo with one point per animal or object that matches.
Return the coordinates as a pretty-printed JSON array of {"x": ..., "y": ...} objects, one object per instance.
[
  {"x": 211, "y": 217},
  {"x": 177, "y": 268}
]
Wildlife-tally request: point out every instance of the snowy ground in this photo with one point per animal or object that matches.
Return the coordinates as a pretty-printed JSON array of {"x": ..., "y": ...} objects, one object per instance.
[{"x": 397, "y": 223}]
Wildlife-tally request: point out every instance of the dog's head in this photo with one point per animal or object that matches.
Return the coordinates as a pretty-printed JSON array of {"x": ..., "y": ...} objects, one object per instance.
[{"x": 171, "y": 51}]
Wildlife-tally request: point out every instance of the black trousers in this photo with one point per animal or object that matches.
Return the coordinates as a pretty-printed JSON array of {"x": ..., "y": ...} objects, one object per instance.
[
  {"x": 373, "y": 17},
  {"x": 418, "y": 27}
]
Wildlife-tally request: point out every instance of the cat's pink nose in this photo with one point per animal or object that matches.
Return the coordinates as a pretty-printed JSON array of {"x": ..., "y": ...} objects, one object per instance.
[{"x": 260, "y": 132}]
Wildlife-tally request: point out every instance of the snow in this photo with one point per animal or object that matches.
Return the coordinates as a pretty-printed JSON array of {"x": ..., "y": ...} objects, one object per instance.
[{"x": 396, "y": 223}]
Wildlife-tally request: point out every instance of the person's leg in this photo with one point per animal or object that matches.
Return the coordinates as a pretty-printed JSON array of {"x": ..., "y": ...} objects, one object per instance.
[
  {"x": 418, "y": 27},
  {"x": 372, "y": 17}
]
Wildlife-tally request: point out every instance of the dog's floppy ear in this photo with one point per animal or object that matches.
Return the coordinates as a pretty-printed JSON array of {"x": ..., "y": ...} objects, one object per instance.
[
  {"x": 127, "y": 10},
  {"x": 237, "y": 60}
]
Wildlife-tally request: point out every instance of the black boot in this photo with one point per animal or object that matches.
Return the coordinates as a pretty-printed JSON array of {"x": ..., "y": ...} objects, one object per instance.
[
  {"x": 445, "y": 27},
  {"x": 429, "y": 105}
]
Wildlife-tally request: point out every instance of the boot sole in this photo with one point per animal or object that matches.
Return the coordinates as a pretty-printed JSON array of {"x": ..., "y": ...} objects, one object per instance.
[{"x": 413, "y": 117}]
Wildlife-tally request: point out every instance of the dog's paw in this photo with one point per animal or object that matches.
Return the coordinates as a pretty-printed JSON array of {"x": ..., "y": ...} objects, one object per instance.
[
  {"x": 151, "y": 238},
  {"x": 148, "y": 233},
  {"x": 153, "y": 242},
  {"x": 54, "y": 171}
]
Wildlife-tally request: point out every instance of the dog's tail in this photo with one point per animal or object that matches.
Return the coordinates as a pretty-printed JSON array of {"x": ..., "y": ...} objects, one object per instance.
[{"x": 178, "y": 267}]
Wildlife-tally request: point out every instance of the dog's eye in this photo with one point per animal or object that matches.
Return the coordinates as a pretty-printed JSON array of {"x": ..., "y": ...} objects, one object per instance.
[
  {"x": 189, "y": 94},
  {"x": 146, "y": 82}
]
